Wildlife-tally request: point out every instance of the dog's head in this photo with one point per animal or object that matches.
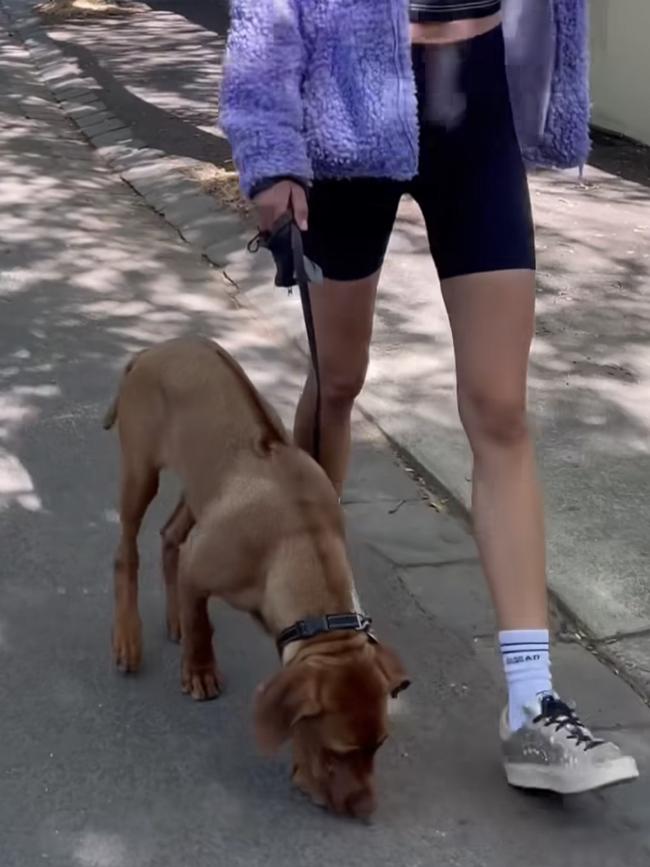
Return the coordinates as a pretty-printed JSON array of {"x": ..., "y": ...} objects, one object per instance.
[{"x": 334, "y": 708}]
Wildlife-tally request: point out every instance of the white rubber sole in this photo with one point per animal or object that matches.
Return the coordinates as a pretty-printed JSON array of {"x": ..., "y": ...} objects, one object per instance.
[{"x": 571, "y": 781}]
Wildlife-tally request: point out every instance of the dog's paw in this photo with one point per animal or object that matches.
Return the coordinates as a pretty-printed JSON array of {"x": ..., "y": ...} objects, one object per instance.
[
  {"x": 127, "y": 644},
  {"x": 203, "y": 684}
]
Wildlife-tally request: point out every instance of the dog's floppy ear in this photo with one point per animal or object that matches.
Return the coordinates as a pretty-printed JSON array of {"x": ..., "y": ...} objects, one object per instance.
[
  {"x": 289, "y": 696},
  {"x": 392, "y": 669}
]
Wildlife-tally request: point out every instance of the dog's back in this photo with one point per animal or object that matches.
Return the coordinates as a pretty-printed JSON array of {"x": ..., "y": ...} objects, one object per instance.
[{"x": 187, "y": 405}]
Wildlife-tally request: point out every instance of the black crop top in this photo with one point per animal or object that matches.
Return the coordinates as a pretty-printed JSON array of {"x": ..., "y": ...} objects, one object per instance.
[{"x": 451, "y": 10}]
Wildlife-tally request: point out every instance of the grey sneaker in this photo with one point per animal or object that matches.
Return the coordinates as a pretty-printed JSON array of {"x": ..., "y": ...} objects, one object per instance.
[{"x": 555, "y": 751}]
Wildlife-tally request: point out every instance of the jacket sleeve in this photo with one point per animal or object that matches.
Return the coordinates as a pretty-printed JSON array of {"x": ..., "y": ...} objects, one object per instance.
[
  {"x": 547, "y": 57},
  {"x": 261, "y": 102}
]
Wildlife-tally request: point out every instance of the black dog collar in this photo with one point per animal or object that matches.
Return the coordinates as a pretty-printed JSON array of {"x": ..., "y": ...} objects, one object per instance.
[{"x": 313, "y": 626}]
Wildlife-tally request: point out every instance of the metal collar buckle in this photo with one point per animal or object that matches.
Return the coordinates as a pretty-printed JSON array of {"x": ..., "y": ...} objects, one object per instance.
[{"x": 310, "y": 627}]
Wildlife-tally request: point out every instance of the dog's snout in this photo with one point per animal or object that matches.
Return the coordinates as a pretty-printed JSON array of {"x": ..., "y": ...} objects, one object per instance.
[{"x": 361, "y": 805}]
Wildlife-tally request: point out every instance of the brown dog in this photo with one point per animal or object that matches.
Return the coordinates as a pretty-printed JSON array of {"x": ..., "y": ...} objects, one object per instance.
[{"x": 268, "y": 538}]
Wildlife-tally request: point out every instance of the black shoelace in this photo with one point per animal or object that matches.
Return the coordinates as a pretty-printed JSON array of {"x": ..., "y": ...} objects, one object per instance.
[{"x": 557, "y": 713}]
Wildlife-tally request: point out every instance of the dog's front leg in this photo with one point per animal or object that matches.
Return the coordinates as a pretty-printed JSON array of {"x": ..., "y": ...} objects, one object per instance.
[
  {"x": 199, "y": 675},
  {"x": 173, "y": 534}
]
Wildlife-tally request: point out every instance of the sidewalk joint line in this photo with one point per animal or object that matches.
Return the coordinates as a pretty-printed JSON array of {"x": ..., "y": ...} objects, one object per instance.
[
  {"x": 435, "y": 564},
  {"x": 621, "y": 636}
]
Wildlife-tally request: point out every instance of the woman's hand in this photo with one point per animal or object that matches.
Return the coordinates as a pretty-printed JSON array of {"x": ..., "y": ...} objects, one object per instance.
[{"x": 277, "y": 200}]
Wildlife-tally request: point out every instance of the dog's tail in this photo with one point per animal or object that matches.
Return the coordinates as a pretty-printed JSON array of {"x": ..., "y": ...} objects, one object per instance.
[{"x": 112, "y": 412}]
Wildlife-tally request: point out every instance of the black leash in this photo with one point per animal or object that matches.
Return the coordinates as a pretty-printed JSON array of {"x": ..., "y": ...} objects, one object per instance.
[{"x": 284, "y": 242}]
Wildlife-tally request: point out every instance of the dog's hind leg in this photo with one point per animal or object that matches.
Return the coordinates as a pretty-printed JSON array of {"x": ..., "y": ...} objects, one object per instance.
[
  {"x": 139, "y": 484},
  {"x": 173, "y": 534}
]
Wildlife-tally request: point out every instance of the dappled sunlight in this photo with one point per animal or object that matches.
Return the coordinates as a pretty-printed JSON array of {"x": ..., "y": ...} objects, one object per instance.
[
  {"x": 115, "y": 308},
  {"x": 405, "y": 328},
  {"x": 88, "y": 276},
  {"x": 135, "y": 336},
  {"x": 100, "y": 849},
  {"x": 16, "y": 484},
  {"x": 13, "y": 412},
  {"x": 111, "y": 516},
  {"x": 17, "y": 403},
  {"x": 169, "y": 105},
  {"x": 591, "y": 356}
]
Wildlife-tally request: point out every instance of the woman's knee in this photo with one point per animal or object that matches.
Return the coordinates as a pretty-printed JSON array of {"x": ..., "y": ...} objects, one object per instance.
[
  {"x": 341, "y": 385},
  {"x": 343, "y": 311},
  {"x": 493, "y": 420}
]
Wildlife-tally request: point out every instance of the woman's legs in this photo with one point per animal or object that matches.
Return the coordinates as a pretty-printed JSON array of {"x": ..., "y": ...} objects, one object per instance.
[
  {"x": 545, "y": 746},
  {"x": 343, "y": 314},
  {"x": 473, "y": 192},
  {"x": 492, "y": 315},
  {"x": 492, "y": 320}
]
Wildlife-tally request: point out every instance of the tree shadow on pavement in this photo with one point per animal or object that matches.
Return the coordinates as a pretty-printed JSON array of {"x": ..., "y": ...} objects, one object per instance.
[
  {"x": 88, "y": 275},
  {"x": 83, "y": 284},
  {"x": 158, "y": 74}
]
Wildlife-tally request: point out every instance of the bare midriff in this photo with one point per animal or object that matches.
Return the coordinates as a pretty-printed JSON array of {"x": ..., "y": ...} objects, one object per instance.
[{"x": 437, "y": 33}]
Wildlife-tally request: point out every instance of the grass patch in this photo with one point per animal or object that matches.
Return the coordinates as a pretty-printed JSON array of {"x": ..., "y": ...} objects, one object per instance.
[{"x": 223, "y": 185}]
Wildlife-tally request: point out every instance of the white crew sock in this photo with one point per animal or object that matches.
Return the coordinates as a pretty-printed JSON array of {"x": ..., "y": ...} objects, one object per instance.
[{"x": 526, "y": 662}]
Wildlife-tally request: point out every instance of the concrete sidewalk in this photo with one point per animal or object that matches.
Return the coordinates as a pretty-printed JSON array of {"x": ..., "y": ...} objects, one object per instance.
[
  {"x": 590, "y": 375},
  {"x": 102, "y": 771}
]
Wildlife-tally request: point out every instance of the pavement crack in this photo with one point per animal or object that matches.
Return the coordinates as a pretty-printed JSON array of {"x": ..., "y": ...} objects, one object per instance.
[
  {"x": 622, "y": 636},
  {"x": 439, "y": 564}
]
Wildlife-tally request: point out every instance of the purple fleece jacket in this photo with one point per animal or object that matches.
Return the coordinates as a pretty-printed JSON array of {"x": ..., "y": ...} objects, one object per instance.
[{"x": 325, "y": 88}]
